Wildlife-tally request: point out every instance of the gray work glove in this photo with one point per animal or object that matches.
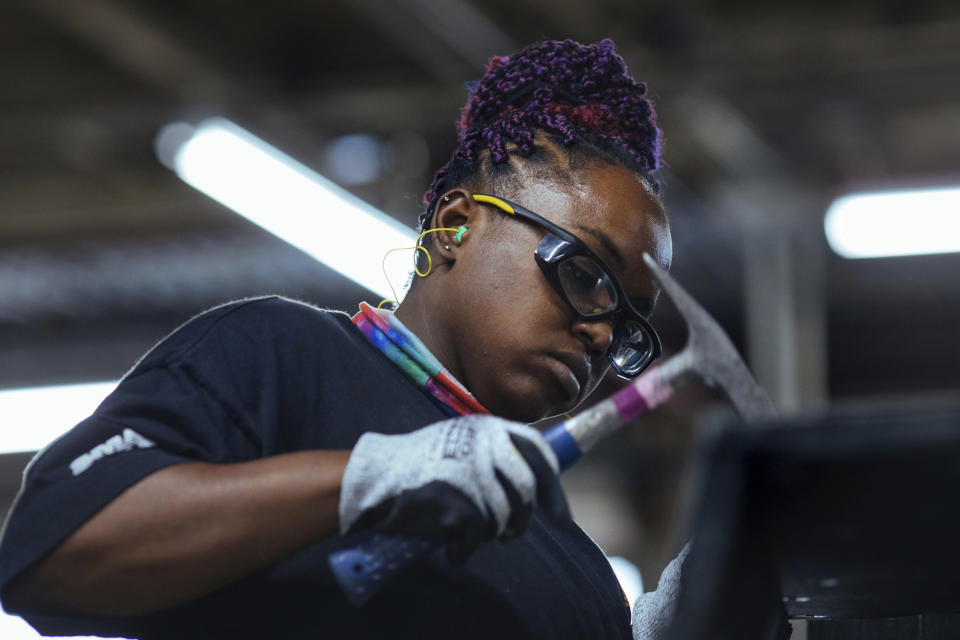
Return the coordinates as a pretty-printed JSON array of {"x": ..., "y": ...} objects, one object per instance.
[
  {"x": 463, "y": 481},
  {"x": 653, "y": 611}
]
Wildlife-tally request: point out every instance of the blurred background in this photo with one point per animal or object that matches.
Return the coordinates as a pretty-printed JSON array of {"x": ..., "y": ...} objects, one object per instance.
[{"x": 770, "y": 112}]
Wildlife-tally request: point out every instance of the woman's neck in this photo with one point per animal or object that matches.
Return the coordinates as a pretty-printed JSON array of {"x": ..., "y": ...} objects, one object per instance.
[{"x": 423, "y": 316}]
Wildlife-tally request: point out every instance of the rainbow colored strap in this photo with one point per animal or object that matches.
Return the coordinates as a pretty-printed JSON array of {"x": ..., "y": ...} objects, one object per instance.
[{"x": 421, "y": 367}]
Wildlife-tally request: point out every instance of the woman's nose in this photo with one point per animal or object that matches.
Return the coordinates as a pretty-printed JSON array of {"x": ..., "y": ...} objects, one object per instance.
[{"x": 597, "y": 335}]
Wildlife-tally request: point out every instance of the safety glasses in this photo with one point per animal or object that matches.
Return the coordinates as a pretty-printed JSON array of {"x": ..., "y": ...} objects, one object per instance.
[{"x": 590, "y": 289}]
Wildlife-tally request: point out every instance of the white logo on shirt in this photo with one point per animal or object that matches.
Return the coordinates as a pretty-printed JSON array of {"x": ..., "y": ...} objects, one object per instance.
[{"x": 126, "y": 441}]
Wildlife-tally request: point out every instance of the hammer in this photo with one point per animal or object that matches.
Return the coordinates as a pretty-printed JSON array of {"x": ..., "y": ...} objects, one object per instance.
[{"x": 708, "y": 355}]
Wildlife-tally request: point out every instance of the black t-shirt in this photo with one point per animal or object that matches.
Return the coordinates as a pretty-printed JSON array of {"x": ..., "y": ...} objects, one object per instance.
[{"x": 268, "y": 376}]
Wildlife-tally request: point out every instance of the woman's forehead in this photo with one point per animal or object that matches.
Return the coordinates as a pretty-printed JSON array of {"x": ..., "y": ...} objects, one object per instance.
[{"x": 611, "y": 210}]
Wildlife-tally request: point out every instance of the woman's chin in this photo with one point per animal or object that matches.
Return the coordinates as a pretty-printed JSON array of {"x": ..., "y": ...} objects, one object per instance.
[
  {"x": 533, "y": 408},
  {"x": 529, "y": 396}
]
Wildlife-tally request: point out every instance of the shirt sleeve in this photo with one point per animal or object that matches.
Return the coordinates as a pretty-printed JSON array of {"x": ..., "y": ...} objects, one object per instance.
[{"x": 198, "y": 396}]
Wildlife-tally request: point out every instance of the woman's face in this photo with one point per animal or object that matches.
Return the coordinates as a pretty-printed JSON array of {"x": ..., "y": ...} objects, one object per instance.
[{"x": 521, "y": 350}]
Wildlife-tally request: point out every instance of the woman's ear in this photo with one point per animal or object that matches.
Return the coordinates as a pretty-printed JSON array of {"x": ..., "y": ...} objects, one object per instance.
[{"x": 456, "y": 210}]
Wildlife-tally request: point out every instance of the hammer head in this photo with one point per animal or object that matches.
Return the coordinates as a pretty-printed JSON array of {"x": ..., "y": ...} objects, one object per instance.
[{"x": 710, "y": 354}]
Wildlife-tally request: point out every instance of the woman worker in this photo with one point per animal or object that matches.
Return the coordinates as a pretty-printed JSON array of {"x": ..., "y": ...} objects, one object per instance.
[{"x": 204, "y": 496}]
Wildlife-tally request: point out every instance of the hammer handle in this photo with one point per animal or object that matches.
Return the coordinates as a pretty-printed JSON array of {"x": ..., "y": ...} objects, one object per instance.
[{"x": 576, "y": 436}]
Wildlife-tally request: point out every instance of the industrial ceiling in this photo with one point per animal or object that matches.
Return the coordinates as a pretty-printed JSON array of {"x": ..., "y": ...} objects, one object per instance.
[{"x": 769, "y": 112}]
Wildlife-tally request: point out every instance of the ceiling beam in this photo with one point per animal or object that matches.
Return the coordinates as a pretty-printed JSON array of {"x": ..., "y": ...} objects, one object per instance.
[
  {"x": 397, "y": 25},
  {"x": 134, "y": 44}
]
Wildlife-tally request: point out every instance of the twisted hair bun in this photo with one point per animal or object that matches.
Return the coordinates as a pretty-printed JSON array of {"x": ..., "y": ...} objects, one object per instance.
[{"x": 573, "y": 92}]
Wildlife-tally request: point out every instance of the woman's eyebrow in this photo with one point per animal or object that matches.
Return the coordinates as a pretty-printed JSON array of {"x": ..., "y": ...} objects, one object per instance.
[
  {"x": 607, "y": 244},
  {"x": 646, "y": 303}
]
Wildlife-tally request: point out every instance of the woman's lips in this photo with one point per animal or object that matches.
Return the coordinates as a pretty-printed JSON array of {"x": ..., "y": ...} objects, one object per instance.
[{"x": 565, "y": 376}]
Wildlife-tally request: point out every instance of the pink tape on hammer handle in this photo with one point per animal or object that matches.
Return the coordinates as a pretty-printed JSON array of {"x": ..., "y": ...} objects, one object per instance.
[{"x": 643, "y": 394}]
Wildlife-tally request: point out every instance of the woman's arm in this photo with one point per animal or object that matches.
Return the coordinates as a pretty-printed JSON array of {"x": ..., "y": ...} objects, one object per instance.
[{"x": 185, "y": 531}]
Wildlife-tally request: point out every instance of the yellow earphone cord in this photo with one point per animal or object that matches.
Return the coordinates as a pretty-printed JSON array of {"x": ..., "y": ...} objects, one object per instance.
[{"x": 416, "y": 247}]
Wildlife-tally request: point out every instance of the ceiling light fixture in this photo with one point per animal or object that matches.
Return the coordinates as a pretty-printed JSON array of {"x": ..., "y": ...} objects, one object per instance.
[
  {"x": 288, "y": 199},
  {"x": 894, "y": 223}
]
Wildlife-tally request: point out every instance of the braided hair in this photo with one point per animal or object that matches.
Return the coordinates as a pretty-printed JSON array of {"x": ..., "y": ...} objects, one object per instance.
[{"x": 580, "y": 97}]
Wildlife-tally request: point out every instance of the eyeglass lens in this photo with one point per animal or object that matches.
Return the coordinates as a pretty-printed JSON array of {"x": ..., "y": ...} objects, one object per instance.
[
  {"x": 632, "y": 348},
  {"x": 587, "y": 286}
]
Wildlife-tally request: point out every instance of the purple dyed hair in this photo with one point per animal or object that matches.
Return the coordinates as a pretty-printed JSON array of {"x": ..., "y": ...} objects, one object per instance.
[{"x": 574, "y": 93}]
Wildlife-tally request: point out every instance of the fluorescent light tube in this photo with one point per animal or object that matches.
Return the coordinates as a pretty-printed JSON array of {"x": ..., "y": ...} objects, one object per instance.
[
  {"x": 894, "y": 223},
  {"x": 36, "y": 416},
  {"x": 289, "y": 200}
]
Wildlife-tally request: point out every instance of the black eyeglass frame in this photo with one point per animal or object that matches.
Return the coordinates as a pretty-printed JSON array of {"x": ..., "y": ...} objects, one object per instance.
[{"x": 550, "y": 254}]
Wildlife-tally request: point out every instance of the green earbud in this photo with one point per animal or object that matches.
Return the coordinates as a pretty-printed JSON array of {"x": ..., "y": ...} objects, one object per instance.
[{"x": 460, "y": 231}]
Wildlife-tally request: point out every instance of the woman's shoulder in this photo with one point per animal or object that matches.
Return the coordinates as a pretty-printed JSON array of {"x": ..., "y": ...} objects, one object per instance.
[
  {"x": 265, "y": 322},
  {"x": 275, "y": 308}
]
